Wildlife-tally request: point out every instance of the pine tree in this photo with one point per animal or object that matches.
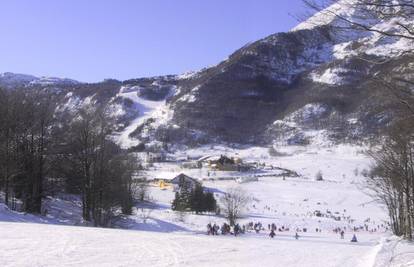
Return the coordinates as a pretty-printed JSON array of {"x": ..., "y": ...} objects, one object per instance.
[
  {"x": 185, "y": 193},
  {"x": 210, "y": 202},
  {"x": 198, "y": 199},
  {"x": 176, "y": 204},
  {"x": 193, "y": 199}
]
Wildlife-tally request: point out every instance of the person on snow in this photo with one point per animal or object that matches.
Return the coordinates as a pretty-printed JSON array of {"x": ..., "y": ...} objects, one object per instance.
[
  {"x": 214, "y": 229},
  {"x": 296, "y": 236},
  {"x": 257, "y": 227},
  {"x": 354, "y": 238},
  {"x": 272, "y": 233},
  {"x": 236, "y": 229},
  {"x": 224, "y": 229},
  {"x": 342, "y": 234}
]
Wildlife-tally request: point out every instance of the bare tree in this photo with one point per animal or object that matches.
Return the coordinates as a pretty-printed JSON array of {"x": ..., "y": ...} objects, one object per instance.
[
  {"x": 141, "y": 189},
  {"x": 145, "y": 214},
  {"x": 96, "y": 167},
  {"x": 233, "y": 204},
  {"x": 26, "y": 119},
  {"x": 392, "y": 178}
]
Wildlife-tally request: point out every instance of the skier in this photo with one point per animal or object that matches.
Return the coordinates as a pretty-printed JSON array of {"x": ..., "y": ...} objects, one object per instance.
[
  {"x": 342, "y": 234},
  {"x": 272, "y": 233},
  {"x": 214, "y": 228},
  {"x": 223, "y": 229},
  {"x": 296, "y": 236},
  {"x": 236, "y": 229},
  {"x": 256, "y": 228},
  {"x": 354, "y": 239}
]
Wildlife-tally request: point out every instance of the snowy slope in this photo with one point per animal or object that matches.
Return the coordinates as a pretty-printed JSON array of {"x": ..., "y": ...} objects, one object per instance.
[
  {"x": 156, "y": 110},
  {"x": 373, "y": 43},
  {"x": 26, "y": 245},
  {"x": 62, "y": 209}
]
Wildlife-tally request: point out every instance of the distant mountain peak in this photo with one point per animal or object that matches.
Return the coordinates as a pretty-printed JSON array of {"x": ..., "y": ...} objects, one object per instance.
[{"x": 10, "y": 79}]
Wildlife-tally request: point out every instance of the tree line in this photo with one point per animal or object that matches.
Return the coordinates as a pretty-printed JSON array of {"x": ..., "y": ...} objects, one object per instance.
[{"x": 39, "y": 147}]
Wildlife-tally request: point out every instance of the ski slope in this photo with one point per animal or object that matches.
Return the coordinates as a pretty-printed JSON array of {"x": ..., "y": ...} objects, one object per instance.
[
  {"x": 147, "y": 109},
  {"x": 34, "y": 245}
]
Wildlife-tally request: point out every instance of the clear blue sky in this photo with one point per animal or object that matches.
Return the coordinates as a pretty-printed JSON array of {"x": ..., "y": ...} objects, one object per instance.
[{"x": 90, "y": 40}]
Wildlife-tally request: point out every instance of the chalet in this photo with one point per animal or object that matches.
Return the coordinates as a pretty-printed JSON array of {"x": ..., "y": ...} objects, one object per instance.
[
  {"x": 174, "y": 179},
  {"x": 192, "y": 165},
  {"x": 224, "y": 163},
  {"x": 181, "y": 178},
  {"x": 150, "y": 157}
]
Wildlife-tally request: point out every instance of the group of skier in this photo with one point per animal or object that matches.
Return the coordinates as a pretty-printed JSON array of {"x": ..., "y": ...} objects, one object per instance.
[
  {"x": 225, "y": 229},
  {"x": 214, "y": 229},
  {"x": 341, "y": 232}
]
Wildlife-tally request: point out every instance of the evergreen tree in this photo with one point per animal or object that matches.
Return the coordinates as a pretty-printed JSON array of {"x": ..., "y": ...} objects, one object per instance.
[
  {"x": 198, "y": 199},
  {"x": 210, "y": 202},
  {"x": 193, "y": 199},
  {"x": 185, "y": 193},
  {"x": 177, "y": 202}
]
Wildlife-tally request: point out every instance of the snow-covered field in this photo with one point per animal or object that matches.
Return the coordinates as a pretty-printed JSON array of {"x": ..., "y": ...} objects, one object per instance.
[
  {"x": 47, "y": 245},
  {"x": 157, "y": 236}
]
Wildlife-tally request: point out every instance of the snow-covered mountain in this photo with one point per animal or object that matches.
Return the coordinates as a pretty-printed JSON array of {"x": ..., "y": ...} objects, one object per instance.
[
  {"x": 311, "y": 84},
  {"x": 9, "y": 79},
  {"x": 269, "y": 90}
]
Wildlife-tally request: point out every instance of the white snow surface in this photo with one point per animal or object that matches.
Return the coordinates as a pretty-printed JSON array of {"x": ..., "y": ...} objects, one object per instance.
[
  {"x": 332, "y": 76},
  {"x": 327, "y": 16},
  {"x": 26, "y": 245},
  {"x": 307, "y": 112},
  {"x": 44, "y": 80}
]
